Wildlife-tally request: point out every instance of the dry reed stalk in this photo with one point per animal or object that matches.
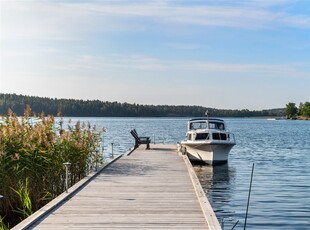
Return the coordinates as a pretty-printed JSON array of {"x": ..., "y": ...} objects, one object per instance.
[{"x": 35, "y": 152}]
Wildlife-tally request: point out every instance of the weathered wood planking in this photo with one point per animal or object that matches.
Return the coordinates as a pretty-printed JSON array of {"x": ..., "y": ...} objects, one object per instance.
[{"x": 149, "y": 189}]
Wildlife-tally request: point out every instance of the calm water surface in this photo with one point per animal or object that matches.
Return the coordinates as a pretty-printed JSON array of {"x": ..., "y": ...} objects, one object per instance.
[{"x": 280, "y": 150}]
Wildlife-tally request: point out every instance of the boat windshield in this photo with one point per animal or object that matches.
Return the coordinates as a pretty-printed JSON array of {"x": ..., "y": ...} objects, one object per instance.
[
  {"x": 216, "y": 125},
  {"x": 204, "y": 125},
  {"x": 198, "y": 125}
]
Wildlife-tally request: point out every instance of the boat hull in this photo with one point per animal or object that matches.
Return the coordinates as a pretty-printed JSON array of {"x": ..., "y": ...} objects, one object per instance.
[{"x": 207, "y": 153}]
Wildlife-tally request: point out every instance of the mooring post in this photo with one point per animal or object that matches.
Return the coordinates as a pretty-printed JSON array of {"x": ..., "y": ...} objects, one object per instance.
[{"x": 67, "y": 174}]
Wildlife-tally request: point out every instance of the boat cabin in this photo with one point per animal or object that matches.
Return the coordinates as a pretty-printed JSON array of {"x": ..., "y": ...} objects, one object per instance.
[{"x": 206, "y": 129}]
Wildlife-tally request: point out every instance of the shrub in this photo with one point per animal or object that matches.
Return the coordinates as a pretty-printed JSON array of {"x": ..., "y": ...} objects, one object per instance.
[{"x": 32, "y": 157}]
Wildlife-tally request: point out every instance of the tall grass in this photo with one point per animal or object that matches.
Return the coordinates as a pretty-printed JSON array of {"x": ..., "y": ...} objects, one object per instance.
[
  {"x": 23, "y": 193},
  {"x": 31, "y": 161}
]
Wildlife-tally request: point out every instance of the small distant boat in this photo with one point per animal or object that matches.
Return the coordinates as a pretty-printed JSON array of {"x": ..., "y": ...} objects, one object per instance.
[
  {"x": 207, "y": 141},
  {"x": 271, "y": 119}
]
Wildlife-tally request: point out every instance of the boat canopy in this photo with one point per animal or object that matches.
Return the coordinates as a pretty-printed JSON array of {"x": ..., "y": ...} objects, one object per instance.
[{"x": 206, "y": 119}]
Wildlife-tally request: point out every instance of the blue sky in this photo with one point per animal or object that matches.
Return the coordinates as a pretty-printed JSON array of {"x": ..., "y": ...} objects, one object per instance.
[{"x": 231, "y": 54}]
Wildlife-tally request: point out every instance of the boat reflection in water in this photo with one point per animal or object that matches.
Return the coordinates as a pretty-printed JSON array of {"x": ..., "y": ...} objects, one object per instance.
[{"x": 217, "y": 182}]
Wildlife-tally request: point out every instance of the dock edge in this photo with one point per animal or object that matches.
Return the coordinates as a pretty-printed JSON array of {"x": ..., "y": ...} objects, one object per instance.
[
  {"x": 62, "y": 198},
  {"x": 205, "y": 205}
]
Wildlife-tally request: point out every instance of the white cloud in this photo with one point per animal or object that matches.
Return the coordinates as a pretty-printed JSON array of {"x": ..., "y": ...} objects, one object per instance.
[
  {"x": 244, "y": 14},
  {"x": 153, "y": 64},
  {"x": 125, "y": 64},
  {"x": 186, "y": 46},
  {"x": 63, "y": 20}
]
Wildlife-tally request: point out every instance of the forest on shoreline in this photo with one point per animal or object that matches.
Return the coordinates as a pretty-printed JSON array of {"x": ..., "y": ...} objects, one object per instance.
[{"x": 97, "y": 108}]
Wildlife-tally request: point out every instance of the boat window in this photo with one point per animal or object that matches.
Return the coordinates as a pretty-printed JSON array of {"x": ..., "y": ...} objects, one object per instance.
[
  {"x": 189, "y": 137},
  {"x": 219, "y": 136},
  {"x": 216, "y": 125},
  {"x": 198, "y": 125},
  {"x": 212, "y": 125},
  {"x": 202, "y": 136}
]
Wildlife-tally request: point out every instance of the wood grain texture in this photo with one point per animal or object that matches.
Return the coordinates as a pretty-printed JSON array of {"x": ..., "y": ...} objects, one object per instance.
[{"x": 149, "y": 189}]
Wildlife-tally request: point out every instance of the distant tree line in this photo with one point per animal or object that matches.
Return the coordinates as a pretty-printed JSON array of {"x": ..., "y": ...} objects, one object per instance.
[
  {"x": 303, "y": 110},
  {"x": 97, "y": 108}
]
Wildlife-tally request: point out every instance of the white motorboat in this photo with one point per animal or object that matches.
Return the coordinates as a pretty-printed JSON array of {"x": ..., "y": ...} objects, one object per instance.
[{"x": 207, "y": 141}]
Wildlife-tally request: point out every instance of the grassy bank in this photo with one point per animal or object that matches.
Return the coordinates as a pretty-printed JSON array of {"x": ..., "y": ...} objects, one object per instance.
[{"x": 31, "y": 161}]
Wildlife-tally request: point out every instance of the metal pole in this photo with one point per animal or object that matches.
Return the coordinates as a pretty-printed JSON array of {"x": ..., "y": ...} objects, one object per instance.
[
  {"x": 102, "y": 142},
  {"x": 235, "y": 225},
  {"x": 102, "y": 147},
  {"x": 247, "y": 208},
  {"x": 67, "y": 174},
  {"x": 97, "y": 158},
  {"x": 112, "y": 150},
  {"x": 207, "y": 114}
]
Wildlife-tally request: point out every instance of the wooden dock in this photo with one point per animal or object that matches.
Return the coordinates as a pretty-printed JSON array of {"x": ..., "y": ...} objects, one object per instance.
[{"x": 148, "y": 189}]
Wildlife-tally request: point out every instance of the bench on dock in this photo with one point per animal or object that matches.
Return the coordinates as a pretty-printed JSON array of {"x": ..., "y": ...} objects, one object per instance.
[{"x": 140, "y": 140}]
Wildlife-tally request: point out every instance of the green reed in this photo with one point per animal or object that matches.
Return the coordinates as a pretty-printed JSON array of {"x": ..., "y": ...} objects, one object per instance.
[
  {"x": 31, "y": 161},
  {"x": 3, "y": 226},
  {"x": 23, "y": 193}
]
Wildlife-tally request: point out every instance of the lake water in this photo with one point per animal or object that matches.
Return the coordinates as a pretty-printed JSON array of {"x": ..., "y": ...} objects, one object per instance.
[{"x": 279, "y": 149}]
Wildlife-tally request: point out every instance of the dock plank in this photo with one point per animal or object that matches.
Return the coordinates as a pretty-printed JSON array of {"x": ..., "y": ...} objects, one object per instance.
[{"x": 149, "y": 189}]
